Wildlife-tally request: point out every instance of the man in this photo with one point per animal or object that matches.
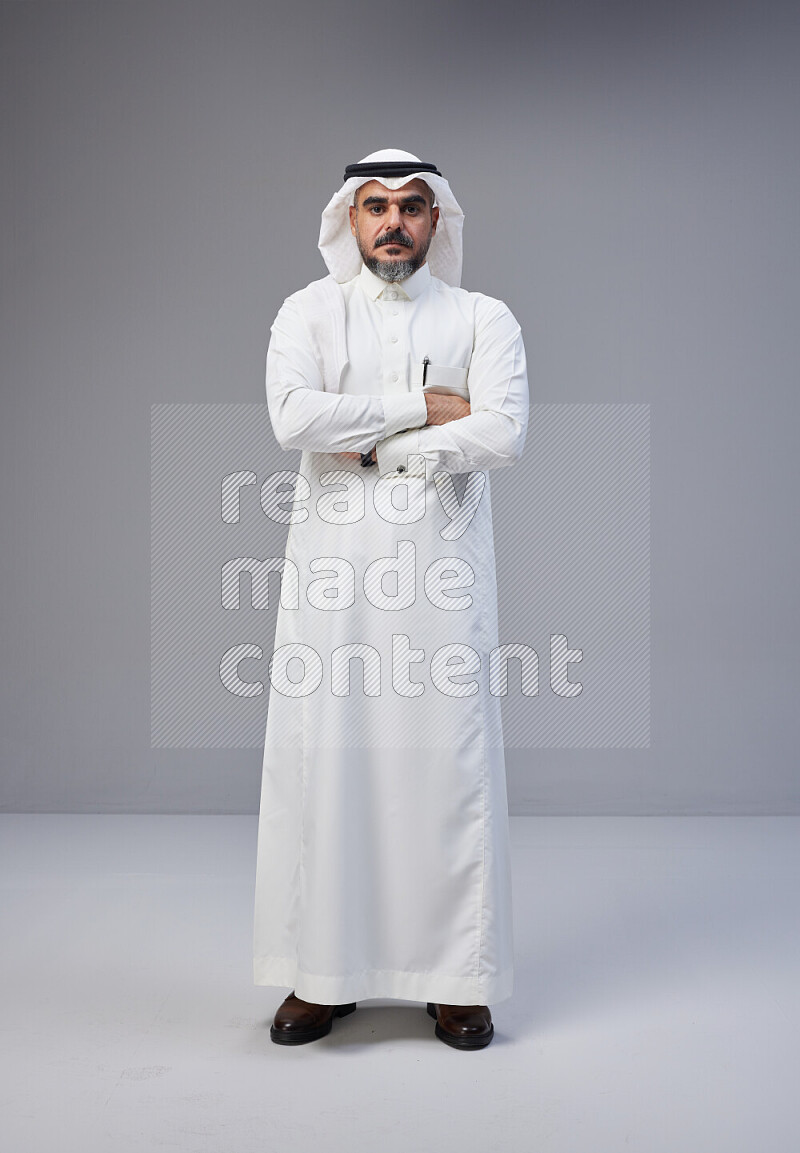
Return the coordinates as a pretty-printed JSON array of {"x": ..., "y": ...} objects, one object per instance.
[{"x": 383, "y": 865}]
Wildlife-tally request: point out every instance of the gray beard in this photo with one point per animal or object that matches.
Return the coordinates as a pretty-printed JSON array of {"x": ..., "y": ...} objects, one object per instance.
[{"x": 392, "y": 270}]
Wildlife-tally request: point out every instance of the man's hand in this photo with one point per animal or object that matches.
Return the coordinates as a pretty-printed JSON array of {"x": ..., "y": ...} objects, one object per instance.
[
  {"x": 357, "y": 455},
  {"x": 443, "y": 408}
]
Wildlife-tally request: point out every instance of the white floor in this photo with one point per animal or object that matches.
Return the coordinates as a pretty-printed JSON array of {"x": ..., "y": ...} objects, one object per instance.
[{"x": 656, "y": 1007}]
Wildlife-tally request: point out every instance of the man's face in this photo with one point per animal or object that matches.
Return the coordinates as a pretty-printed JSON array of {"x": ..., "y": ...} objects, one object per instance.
[{"x": 393, "y": 229}]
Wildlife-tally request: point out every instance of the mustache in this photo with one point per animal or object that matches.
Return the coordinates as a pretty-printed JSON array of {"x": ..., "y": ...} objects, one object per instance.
[{"x": 397, "y": 236}]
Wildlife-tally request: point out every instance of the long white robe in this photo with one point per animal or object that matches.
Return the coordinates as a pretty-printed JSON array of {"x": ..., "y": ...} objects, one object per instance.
[{"x": 383, "y": 866}]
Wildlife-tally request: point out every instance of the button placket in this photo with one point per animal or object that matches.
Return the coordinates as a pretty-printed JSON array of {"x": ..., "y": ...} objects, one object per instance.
[{"x": 392, "y": 344}]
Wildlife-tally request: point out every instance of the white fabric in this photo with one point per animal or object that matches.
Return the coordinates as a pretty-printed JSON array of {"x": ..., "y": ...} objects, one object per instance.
[
  {"x": 338, "y": 245},
  {"x": 383, "y": 863},
  {"x": 313, "y": 358}
]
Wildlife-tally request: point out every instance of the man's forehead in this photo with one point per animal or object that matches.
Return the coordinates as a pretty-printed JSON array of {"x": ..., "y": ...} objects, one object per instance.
[{"x": 374, "y": 188}]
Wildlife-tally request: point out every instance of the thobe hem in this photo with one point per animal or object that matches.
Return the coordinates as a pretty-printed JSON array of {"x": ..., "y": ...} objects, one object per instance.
[{"x": 396, "y": 984}]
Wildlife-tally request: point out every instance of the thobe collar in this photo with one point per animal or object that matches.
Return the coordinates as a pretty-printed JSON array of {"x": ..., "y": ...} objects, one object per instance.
[{"x": 410, "y": 288}]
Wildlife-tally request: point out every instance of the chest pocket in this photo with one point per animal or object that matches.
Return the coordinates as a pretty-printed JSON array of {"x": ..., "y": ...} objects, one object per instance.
[{"x": 441, "y": 378}]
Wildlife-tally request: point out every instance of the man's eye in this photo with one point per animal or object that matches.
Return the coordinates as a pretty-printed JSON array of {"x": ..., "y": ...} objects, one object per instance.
[
  {"x": 412, "y": 209},
  {"x": 375, "y": 209}
]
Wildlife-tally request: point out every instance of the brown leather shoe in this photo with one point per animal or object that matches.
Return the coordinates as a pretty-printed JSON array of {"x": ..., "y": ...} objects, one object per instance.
[
  {"x": 297, "y": 1022},
  {"x": 463, "y": 1026}
]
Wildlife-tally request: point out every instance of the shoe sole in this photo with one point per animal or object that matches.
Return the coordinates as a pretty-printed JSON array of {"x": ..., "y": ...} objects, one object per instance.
[
  {"x": 303, "y": 1036},
  {"x": 459, "y": 1042}
]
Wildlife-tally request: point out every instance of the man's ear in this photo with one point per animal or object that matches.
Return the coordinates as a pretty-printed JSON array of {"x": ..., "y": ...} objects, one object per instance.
[
  {"x": 434, "y": 218},
  {"x": 352, "y": 211}
]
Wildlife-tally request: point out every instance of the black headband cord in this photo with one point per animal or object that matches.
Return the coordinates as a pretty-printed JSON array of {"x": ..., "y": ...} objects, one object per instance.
[{"x": 389, "y": 168}]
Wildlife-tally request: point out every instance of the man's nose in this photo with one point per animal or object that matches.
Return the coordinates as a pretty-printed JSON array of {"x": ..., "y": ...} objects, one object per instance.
[{"x": 394, "y": 217}]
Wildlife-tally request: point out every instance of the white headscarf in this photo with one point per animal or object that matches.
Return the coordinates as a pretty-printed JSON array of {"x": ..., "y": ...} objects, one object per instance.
[{"x": 338, "y": 245}]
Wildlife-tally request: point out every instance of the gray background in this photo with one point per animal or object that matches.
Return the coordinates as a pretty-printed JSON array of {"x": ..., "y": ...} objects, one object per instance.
[{"x": 629, "y": 175}]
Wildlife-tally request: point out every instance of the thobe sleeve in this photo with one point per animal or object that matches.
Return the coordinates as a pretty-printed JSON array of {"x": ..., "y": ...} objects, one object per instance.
[
  {"x": 493, "y": 434},
  {"x": 304, "y": 416}
]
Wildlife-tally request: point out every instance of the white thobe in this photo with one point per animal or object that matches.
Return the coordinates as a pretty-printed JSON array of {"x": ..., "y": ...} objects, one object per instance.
[{"x": 383, "y": 864}]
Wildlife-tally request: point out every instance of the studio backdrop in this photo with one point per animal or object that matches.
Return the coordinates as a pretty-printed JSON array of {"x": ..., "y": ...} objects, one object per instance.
[{"x": 629, "y": 179}]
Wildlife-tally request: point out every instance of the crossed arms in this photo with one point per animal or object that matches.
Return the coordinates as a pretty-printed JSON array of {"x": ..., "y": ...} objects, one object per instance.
[{"x": 449, "y": 433}]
